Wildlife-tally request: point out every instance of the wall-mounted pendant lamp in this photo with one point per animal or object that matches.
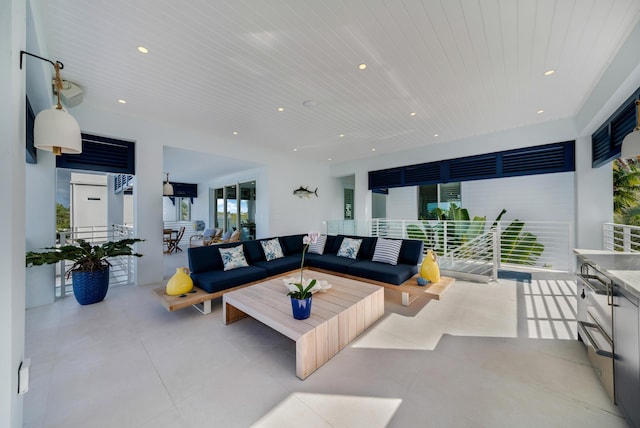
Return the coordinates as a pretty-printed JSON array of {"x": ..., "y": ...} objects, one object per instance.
[
  {"x": 631, "y": 143},
  {"x": 167, "y": 188},
  {"x": 54, "y": 129}
]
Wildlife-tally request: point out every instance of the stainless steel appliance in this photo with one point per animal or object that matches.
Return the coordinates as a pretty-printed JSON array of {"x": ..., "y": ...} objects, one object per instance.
[{"x": 595, "y": 322}]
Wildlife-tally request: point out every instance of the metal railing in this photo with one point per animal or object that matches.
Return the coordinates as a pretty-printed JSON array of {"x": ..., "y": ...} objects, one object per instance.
[
  {"x": 621, "y": 237},
  {"x": 122, "y": 271},
  {"x": 530, "y": 245}
]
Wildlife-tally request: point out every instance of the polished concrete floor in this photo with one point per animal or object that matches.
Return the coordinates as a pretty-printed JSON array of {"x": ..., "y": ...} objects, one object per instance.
[{"x": 502, "y": 354}]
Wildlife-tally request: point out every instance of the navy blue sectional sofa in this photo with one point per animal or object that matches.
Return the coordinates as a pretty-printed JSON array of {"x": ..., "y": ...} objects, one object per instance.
[{"x": 207, "y": 269}]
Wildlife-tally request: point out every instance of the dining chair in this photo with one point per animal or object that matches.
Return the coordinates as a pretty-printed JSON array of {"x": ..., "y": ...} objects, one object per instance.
[{"x": 172, "y": 245}]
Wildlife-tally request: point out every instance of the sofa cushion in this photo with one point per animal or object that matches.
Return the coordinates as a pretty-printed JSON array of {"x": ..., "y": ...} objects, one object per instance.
[
  {"x": 272, "y": 249},
  {"x": 218, "y": 280},
  {"x": 329, "y": 262},
  {"x": 411, "y": 252},
  {"x": 349, "y": 248},
  {"x": 382, "y": 272},
  {"x": 281, "y": 265},
  {"x": 292, "y": 244},
  {"x": 204, "y": 259},
  {"x": 233, "y": 257},
  {"x": 318, "y": 246},
  {"x": 387, "y": 251}
]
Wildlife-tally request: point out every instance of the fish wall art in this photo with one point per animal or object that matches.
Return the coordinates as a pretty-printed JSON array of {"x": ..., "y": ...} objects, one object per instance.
[{"x": 304, "y": 192}]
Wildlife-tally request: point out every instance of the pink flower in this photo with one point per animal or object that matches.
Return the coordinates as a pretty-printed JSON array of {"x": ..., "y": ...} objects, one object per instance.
[{"x": 311, "y": 238}]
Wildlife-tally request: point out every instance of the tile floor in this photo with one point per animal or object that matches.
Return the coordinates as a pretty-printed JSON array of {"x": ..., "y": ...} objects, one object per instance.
[{"x": 488, "y": 355}]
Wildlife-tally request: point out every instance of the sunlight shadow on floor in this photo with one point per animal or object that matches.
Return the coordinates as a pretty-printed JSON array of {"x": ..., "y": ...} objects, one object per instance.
[
  {"x": 535, "y": 309},
  {"x": 329, "y": 410}
]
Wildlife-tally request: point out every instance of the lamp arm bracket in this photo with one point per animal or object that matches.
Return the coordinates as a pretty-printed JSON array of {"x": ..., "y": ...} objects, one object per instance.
[{"x": 22, "y": 53}]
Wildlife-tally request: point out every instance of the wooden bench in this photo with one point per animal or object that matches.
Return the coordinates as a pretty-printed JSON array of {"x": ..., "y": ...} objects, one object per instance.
[
  {"x": 198, "y": 298},
  {"x": 410, "y": 289},
  {"x": 201, "y": 300}
]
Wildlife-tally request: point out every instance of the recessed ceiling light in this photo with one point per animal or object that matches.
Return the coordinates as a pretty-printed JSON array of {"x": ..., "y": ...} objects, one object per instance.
[
  {"x": 142, "y": 49},
  {"x": 121, "y": 101},
  {"x": 435, "y": 135},
  {"x": 540, "y": 111},
  {"x": 373, "y": 150},
  {"x": 329, "y": 159},
  {"x": 341, "y": 135},
  {"x": 280, "y": 108},
  {"x": 235, "y": 132},
  {"x": 295, "y": 150},
  {"x": 413, "y": 113},
  {"x": 549, "y": 72},
  {"x": 362, "y": 66}
]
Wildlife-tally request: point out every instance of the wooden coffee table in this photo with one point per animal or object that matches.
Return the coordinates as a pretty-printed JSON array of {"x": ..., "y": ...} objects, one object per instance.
[{"x": 338, "y": 315}]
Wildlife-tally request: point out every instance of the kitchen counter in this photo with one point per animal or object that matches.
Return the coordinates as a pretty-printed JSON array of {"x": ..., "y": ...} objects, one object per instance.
[{"x": 622, "y": 268}]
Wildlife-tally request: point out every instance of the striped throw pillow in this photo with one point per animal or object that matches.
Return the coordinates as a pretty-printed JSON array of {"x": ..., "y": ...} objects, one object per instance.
[
  {"x": 318, "y": 247},
  {"x": 387, "y": 251}
]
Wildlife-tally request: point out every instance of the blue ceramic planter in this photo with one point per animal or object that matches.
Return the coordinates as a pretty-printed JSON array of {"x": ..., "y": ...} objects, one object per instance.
[
  {"x": 90, "y": 287},
  {"x": 301, "y": 308}
]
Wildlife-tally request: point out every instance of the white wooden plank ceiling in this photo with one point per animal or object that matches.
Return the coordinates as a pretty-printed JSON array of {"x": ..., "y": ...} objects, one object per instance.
[{"x": 464, "y": 67}]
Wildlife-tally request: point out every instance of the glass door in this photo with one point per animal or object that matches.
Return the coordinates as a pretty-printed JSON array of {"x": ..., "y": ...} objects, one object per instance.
[
  {"x": 231, "y": 209},
  {"x": 248, "y": 209}
]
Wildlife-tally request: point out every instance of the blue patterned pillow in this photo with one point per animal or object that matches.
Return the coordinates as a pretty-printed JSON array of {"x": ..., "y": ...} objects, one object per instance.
[
  {"x": 272, "y": 249},
  {"x": 233, "y": 257},
  {"x": 318, "y": 247},
  {"x": 349, "y": 248},
  {"x": 387, "y": 251}
]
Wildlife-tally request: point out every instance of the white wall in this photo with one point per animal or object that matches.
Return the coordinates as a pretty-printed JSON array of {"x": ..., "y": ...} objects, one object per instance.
[
  {"x": 546, "y": 133},
  {"x": 378, "y": 205},
  {"x": 402, "y": 203},
  {"x": 545, "y": 197},
  {"x": 592, "y": 197},
  {"x": 12, "y": 210},
  {"x": 40, "y": 233}
]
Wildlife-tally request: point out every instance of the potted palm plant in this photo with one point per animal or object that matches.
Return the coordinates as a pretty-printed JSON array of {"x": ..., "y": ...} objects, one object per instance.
[{"x": 90, "y": 268}]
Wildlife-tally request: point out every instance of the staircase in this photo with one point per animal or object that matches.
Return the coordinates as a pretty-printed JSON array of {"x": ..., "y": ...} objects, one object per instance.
[{"x": 472, "y": 261}]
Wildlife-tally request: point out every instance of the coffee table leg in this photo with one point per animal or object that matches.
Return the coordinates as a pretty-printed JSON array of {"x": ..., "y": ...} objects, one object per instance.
[
  {"x": 231, "y": 314},
  {"x": 306, "y": 355}
]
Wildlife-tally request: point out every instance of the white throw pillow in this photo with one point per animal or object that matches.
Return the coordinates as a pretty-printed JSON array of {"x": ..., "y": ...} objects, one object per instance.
[
  {"x": 233, "y": 257},
  {"x": 272, "y": 249},
  {"x": 349, "y": 248},
  {"x": 387, "y": 251},
  {"x": 318, "y": 247}
]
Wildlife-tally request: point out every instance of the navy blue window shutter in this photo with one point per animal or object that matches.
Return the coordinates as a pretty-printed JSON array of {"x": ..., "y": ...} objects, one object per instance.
[
  {"x": 606, "y": 142},
  {"x": 545, "y": 159},
  {"x": 102, "y": 154}
]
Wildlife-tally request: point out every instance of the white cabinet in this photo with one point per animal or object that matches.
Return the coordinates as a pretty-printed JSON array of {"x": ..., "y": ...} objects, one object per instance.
[{"x": 626, "y": 338}]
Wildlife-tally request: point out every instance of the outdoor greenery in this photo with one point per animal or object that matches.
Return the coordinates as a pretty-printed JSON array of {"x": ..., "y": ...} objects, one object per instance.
[
  {"x": 626, "y": 192},
  {"x": 516, "y": 245},
  {"x": 63, "y": 221}
]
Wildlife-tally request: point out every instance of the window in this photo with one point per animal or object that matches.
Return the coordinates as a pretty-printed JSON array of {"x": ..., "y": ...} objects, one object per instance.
[
  {"x": 433, "y": 196},
  {"x": 183, "y": 205}
]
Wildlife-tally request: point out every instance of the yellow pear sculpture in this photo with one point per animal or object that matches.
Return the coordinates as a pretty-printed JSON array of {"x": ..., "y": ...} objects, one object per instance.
[
  {"x": 429, "y": 269},
  {"x": 180, "y": 282}
]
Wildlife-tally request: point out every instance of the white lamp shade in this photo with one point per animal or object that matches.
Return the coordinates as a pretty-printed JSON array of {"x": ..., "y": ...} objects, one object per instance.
[
  {"x": 57, "y": 128},
  {"x": 167, "y": 189},
  {"x": 631, "y": 145}
]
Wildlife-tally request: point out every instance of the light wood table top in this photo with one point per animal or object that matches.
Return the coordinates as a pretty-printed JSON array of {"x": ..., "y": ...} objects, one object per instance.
[{"x": 338, "y": 315}]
